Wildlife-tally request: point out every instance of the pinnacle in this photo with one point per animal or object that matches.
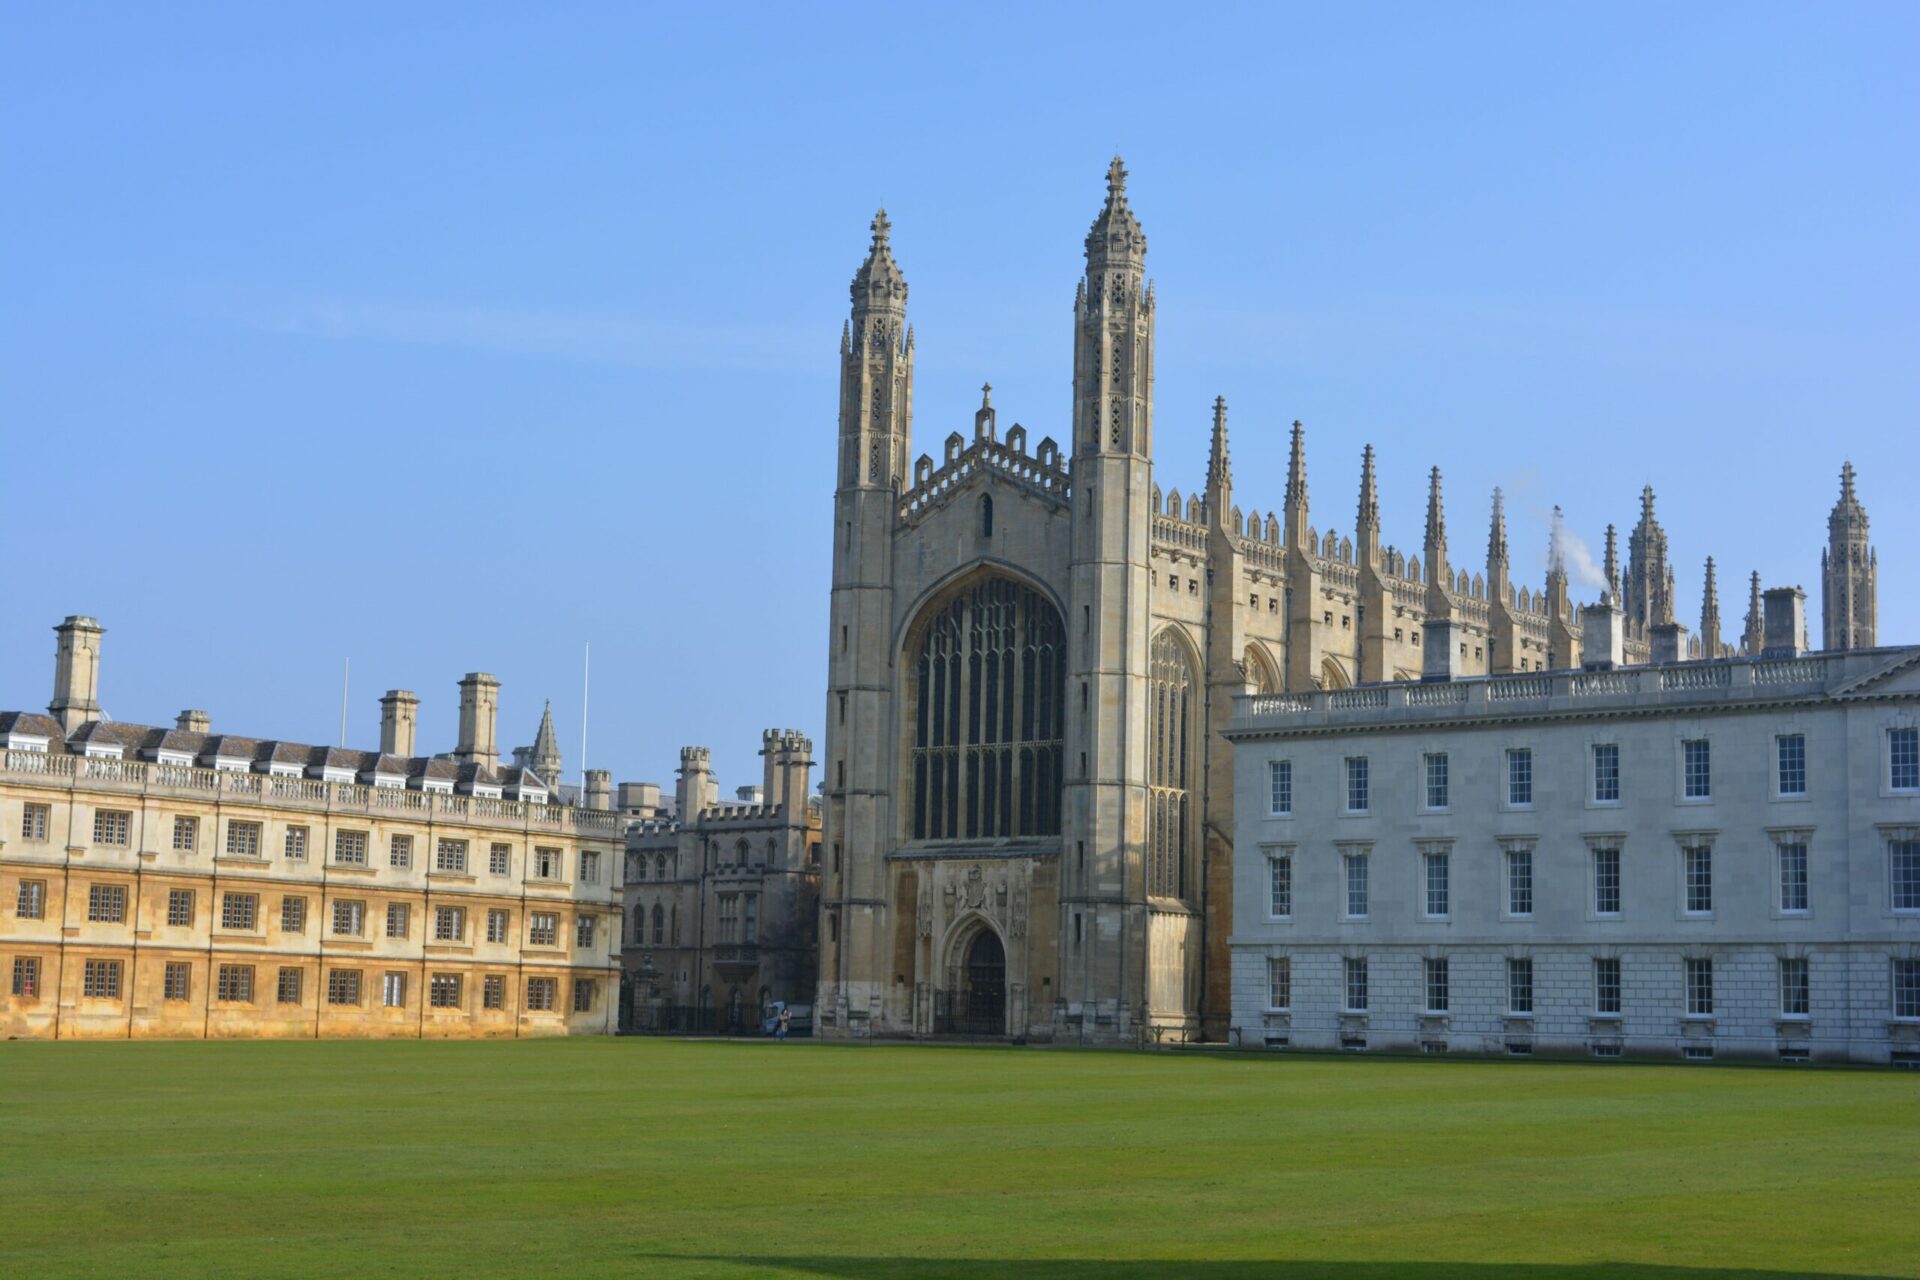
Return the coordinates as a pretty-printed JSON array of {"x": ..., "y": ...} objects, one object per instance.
[
  {"x": 1117, "y": 178},
  {"x": 880, "y": 228}
]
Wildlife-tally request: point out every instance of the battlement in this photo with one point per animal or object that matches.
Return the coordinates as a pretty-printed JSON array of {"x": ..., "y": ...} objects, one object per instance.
[
  {"x": 785, "y": 742},
  {"x": 1044, "y": 473}
]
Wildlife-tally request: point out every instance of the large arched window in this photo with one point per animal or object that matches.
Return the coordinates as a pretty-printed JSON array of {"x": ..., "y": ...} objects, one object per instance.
[
  {"x": 659, "y": 925},
  {"x": 988, "y": 734},
  {"x": 1172, "y": 710}
]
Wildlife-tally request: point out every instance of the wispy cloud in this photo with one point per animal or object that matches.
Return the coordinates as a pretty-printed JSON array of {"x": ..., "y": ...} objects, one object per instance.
[{"x": 583, "y": 335}]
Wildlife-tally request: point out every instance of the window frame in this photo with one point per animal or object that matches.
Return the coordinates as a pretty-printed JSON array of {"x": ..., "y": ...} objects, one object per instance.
[
  {"x": 1280, "y": 984},
  {"x": 1436, "y": 780},
  {"x": 1899, "y": 759},
  {"x": 1703, "y": 777},
  {"x": 1594, "y": 775},
  {"x": 1279, "y": 881},
  {"x": 1358, "y": 775},
  {"x": 1280, "y": 788},
  {"x": 1519, "y": 762},
  {"x": 1780, "y": 767}
]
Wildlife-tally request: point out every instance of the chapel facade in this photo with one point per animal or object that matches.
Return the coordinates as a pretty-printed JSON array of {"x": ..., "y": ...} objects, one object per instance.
[{"x": 1028, "y": 805}]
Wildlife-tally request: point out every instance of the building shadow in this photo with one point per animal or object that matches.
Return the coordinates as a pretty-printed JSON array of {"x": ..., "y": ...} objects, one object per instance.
[{"x": 903, "y": 1268}]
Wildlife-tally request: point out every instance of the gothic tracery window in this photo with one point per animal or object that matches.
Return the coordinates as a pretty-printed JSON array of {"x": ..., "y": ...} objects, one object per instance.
[
  {"x": 989, "y": 716},
  {"x": 1172, "y": 706}
]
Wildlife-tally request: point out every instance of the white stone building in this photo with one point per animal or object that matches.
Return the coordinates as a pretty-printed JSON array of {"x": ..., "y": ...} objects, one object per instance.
[{"x": 1705, "y": 859}]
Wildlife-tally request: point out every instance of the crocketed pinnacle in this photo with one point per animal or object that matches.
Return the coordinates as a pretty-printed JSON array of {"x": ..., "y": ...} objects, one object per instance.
[
  {"x": 1369, "y": 516},
  {"x": 879, "y": 279},
  {"x": 1219, "y": 464},
  {"x": 1116, "y": 237},
  {"x": 1436, "y": 512},
  {"x": 1497, "y": 534},
  {"x": 1297, "y": 468}
]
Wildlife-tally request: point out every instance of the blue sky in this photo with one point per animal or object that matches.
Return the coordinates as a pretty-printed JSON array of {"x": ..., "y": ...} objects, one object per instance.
[{"x": 450, "y": 337}]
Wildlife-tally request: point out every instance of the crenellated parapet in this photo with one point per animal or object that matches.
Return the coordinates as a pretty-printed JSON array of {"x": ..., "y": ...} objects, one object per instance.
[{"x": 1044, "y": 473}]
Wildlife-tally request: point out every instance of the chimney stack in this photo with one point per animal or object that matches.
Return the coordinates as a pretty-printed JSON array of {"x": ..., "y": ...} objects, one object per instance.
[
  {"x": 479, "y": 709},
  {"x": 789, "y": 759},
  {"x": 399, "y": 716},
  {"x": 694, "y": 789},
  {"x": 1669, "y": 642},
  {"x": 193, "y": 722},
  {"x": 1439, "y": 650},
  {"x": 76, "y": 672},
  {"x": 1603, "y": 636},
  {"x": 1784, "y": 624},
  {"x": 599, "y": 792}
]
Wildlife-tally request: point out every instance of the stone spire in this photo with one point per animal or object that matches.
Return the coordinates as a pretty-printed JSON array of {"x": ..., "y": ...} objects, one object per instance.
[
  {"x": 1610, "y": 567},
  {"x": 1497, "y": 549},
  {"x": 1113, "y": 334},
  {"x": 1647, "y": 596},
  {"x": 876, "y": 371},
  {"x": 1710, "y": 646},
  {"x": 1219, "y": 467},
  {"x": 1116, "y": 237},
  {"x": 1296, "y": 508},
  {"x": 879, "y": 281},
  {"x": 1366, "y": 523},
  {"x": 544, "y": 757},
  {"x": 1753, "y": 639},
  {"x": 1435, "y": 550},
  {"x": 1849, "y": 573}
]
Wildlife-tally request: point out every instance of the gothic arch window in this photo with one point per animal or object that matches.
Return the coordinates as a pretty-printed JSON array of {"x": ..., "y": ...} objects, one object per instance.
[
  {"x": 659, "y": 925},
  {"x": 1333, "y": 675},
  {"x": 1173, "y": 697},
  {"x": 988, "y": 735},
  {"x": 1260, "y": 674},
  {"x": 986, "y": 515},
  {"x": 660, "y": 867},
  {"x": 740, "y": 855},
  {"x": 773, "y": 852}
]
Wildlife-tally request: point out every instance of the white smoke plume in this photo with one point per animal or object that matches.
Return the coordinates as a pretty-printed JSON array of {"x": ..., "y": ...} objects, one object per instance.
[{"x": 1567, "y": 551}]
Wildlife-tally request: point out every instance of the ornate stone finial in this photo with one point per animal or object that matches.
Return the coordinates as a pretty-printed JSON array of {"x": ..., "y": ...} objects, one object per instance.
[
  {"x": 879, "y": 279},
  {"x": 1710, "y": 645},
  {"x": 986, "y": 395},
  {"x": 1369, "y": 516},
  {"x": 1497, "y": 534},
  {"x": 1610, "y": 564},
  {"x": 1436, "y": 512},
  {"x": 1116, "y": 237},
  {"x": 1846, "y": 482},
  {"x": 1219, "y": 463}
]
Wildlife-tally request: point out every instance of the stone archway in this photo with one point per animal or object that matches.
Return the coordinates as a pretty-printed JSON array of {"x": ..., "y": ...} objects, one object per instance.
[{"x": 975, "y": 1000}]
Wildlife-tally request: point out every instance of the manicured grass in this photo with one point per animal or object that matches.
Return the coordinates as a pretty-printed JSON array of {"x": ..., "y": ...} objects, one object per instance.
[{"x": 671, "y": 1158}]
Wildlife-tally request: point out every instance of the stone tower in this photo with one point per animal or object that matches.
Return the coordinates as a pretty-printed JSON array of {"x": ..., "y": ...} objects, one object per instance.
[
  {"x": 1849, "y": 568},
  {"x": 1647, "y": 595},
  {"x": 876, "y": 419},
  {"x": 1104, "y": 875}
]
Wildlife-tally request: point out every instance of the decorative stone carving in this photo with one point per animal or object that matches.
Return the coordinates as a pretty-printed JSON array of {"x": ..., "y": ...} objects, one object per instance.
[{"x": 976, "y": 887}]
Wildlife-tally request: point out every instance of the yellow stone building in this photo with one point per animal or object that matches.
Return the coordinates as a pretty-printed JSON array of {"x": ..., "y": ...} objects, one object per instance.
[{"x": 184, "y": 883}]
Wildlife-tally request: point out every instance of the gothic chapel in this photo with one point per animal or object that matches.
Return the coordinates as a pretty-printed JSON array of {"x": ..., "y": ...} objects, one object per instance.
[{"x": 1028, "y": 805}]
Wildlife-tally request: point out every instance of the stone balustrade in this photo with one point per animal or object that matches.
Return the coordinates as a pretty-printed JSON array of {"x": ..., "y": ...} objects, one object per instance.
[
  {"x": 1575, "y": 692},
  {"x": 137, "y": 777}
]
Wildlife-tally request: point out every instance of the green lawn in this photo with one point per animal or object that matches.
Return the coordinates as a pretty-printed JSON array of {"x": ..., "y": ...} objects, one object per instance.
[{"x": 669, "y": 1158}]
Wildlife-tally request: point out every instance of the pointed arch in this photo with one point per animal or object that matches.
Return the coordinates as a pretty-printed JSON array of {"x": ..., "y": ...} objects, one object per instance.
[
  {"x": 984, "y": 712},
  {"x": 1333, "y": 675},
  {"x": 1173, "y": 745},
  {"x": 1263, "y": 675}
]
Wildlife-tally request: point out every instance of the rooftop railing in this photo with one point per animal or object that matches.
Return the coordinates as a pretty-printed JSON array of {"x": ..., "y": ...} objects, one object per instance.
[
  {"x": 1684, "y": 684},
  {"x": 138, "y": 777}
]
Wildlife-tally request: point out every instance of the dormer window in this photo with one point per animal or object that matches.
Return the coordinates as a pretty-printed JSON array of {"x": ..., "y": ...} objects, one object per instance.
[
  {"x": 21, "y": 742},
  {"x": 178, "y": 759},
  {"x": 232, "y": 764},
  {"x": 102, "y": 752}
]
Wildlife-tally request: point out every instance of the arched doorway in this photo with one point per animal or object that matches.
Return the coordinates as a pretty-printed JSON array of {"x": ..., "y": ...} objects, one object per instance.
[{"x": 983, "y": 987}]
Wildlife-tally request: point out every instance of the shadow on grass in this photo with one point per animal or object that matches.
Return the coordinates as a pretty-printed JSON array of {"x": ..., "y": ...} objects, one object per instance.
[{"x": 1292, "y": 1269}]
